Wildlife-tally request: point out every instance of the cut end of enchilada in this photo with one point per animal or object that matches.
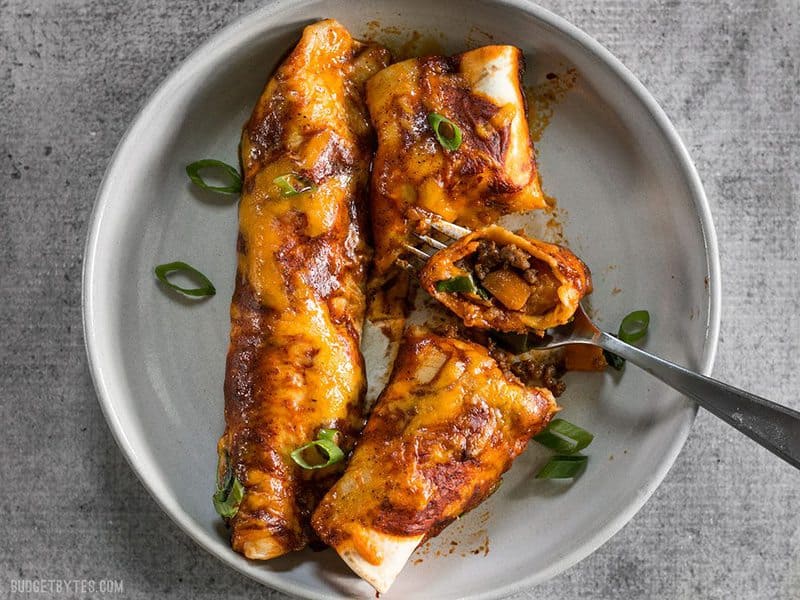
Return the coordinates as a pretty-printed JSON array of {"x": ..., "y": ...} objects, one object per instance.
[
  {"x": 496, "y": 279},
  {"x": 260, "y": 547},
  {"x": 491, "y": 172},
  {"x": 448, "y": 425},
  {"x": 377, "y": 557}
]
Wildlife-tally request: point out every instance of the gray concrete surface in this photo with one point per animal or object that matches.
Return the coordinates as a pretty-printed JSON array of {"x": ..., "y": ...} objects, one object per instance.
[{"x": 724, "y": 524}]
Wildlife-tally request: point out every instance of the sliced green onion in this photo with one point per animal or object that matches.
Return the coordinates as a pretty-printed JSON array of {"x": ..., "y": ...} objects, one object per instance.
[
  {"x": 193, "y": 171},
  {"x": 292, "y": 184},
  {"x": 324, "y": 442},
  {"x": 461, "y": 283},
  {"x": 230, "y": 492},
  {"x": 327, "y": 434},
  {"x": 447, "y": 133},
  {"x": 634, "y": 326},
  {"x": 563, "y": 467},
  {"x": 614, "y": 361},
  {"x": 206, "y": 288},
  {"x": 564, "y": 437},
  {"x": 517, "y": 343}
]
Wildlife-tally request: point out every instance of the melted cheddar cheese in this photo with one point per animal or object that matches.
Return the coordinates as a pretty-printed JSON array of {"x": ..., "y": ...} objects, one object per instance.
[
  {"x": 492, "y": 173},
  {"x": 294, "y": 364},
  {"x": 448, "y": 425}
]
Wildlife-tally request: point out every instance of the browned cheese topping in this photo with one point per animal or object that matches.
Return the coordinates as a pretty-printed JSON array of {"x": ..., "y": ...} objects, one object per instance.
[
  {"x": 294, "y": 364},
  {"x": 447, "y": 426}
]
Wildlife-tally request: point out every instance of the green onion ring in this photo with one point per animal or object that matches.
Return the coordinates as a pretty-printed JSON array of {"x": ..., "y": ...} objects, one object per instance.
[
  {"x": 563, "y": 467},
  {"x": 459, "y": 283},
  {"x": 229, "y": 493},
  {"x": 293, "y": 184},
  {"x": 634, "y": 326},
  {"x": 193, "y": 171},
  {"x": 516, "y": 343},
  {"x": 324, "y": 442},
  {"x": 206, "y": 288},
  {"x": 446, "y": 131},
  {"x": 564, "y": 437},
  {"x": 615, "y": 362}
]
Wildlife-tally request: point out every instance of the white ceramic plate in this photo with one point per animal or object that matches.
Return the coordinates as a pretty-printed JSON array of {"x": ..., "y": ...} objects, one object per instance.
[{"x": 635, "y": 211}]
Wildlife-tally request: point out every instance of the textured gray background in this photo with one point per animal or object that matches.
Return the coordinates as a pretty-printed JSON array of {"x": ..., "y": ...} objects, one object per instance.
[{"x": 724, "y": 524}]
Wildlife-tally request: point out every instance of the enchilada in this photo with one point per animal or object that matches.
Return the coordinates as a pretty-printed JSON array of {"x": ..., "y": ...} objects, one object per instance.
[
  {"x": 453, "y": 140},
  {"x": 445, "y": 429},
  {"x": 294, "y": 368}
]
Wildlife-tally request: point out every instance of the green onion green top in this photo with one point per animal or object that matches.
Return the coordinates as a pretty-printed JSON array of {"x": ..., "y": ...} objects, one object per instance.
[
  {"x": 447, "y": 133},
  {"x": 517, "y": 343},
  {"x": 461, "y": 283},
  {"x": 564, "y": 437},
  {"x": 206, "y": 288},
  {"x": 563, "y": 467},
  {"x": 292, "y": 184},
  {"x": 614, "y": 361},
  {"x": 230, "y": 492},
  {"x": 232, "y": 173},
  {"x": 633, "y": 328},
  {"x": 326, "y": 444}
]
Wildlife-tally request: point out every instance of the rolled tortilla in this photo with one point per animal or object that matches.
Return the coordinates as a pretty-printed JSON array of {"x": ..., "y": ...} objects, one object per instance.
[
  {"x": 447, "y": 426},
  {"x": 493, "y": 172},
  {"x": 294, "y": 365}
]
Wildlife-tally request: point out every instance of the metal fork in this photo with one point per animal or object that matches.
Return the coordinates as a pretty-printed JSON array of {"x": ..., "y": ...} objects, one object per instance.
[{"x": 775, "y": 427}]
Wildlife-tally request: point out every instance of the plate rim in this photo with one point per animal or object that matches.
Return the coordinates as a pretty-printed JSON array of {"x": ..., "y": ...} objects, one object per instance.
[{"x": 226, "y": 37}]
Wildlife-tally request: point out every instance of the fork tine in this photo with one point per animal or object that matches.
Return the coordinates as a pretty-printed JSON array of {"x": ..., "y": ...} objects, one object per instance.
[
  {"x": 436, "y": 223},
  {"x": 417, "y": 252},
  {"x": 446, "y": 227},
  {"x": 431, "y": 242},
  {"x": 407, "y": 265}
]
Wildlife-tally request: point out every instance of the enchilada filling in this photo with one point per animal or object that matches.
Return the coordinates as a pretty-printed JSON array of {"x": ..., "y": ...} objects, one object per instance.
[{"x": 495, "y": 279}]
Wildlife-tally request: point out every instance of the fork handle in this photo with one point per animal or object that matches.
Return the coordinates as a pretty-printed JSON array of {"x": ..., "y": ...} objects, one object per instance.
[{"x": 772, "y": 425}]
